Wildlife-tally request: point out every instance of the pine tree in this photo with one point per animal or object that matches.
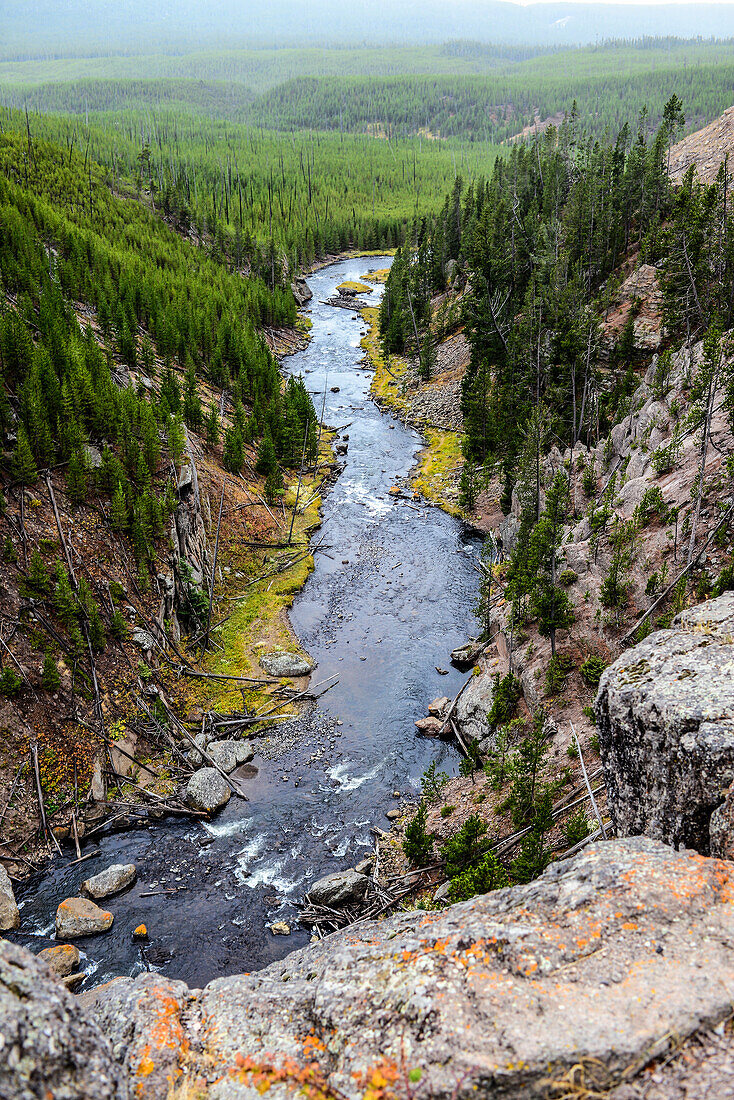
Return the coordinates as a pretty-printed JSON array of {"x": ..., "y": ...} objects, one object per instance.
[
  {"x": 212, "y": 425},
  {"x": 76, "y": 478},
  {"x": 38, "y": 578},
  {"x": 10, "y": 555},
  {"x": 267, "y": 459},
  {"x": 65, "y": 603},
  {"x": 234, "y": 451},
  {"x": 22, "y": 464},
  {"x": 50, "y": 678},
  {"x": 274, "y": 486},
  {"x": 118, "y": 510},
  {"x": 418, "y": 843}
]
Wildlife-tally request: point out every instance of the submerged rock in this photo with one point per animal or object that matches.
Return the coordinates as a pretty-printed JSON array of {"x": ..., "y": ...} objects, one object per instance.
[
  {"x": 110, "y": 881},
  {"x": 497, "y": 996},
  {"x": 207, "y": 790},
  {"x": 285, "y": 664},
  {"x": 77, "y": 917},
  {"x": 9, "y": 913},
  {"x": 341, "y": 888},
  {"x": 665, "y": 713},
  {"x": 50, "y": 1046},
  {"x": 228, "y": 755}
]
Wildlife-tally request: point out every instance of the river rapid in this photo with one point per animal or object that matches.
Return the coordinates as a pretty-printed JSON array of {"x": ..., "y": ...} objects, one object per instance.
[{"x": 390, "y": 596}]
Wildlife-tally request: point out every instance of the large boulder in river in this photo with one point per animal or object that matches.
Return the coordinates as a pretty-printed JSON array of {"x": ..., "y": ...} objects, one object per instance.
[
  {"x": 599, "y": 960},
  {"x": 665, "y": 714},
  {"x": 341, "y": 888},
  {"x": 228, "y": 755},
  {"x": 110, "y": 881},
  {"x": 9, "y": 914},
  {"x": 207, "y": 790},
  {"x": 49, "y": 1047},
  {"x": 77, "y": 917},
  {"x": 285, "y": 664}
]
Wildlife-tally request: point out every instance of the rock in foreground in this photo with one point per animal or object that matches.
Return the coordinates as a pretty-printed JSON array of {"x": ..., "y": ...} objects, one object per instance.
[
  {"x": 50, "y": 1047},
  {"x": 110, "y": 881},
  {"x": 665, "y": 712},
  {"x": 601, "y": 958},
  {"x": 207, "y": 790},
  {"x": 77, "y": 917},
  {"x": 9, "y": 913}
]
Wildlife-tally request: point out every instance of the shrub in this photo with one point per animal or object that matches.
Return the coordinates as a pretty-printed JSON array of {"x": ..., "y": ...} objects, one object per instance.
[
  {"x": 487, "y": 875},
  {"x": 418, "y": 843},
  {"x": 576, "y": 828},
  {"x": 466, "y": 848},
  {"x": 505, "y": 696},
  {"x": 446, "y": 811},
  {"x": 592, "y": 669},
  {"x": 51, "y": 679},
  {"x": 10, "y": 683},
  {"x": 558, "y": 669},
  {"x": 567, "y": 577},
  {"x": 433, "y": 783}
]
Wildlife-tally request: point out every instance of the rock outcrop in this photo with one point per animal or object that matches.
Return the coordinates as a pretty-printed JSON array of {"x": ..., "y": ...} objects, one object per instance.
[
  {"x": 665, "y": 712},
  {"x": 340, "y": 888},
  {"x": 48, "y": 1045},
  {"x": 601, "y": 958},
  {"x": 301, "y": 291},
  {"x": 9, "y": 914}
]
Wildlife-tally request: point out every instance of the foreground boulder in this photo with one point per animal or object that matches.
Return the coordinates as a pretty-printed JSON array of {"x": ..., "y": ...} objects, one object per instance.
[
  {"x": 665, "y": 713},
  {"x": 9, "y": 913},
  {"x": 110, "y": 881},
  {"x": 603, "y": 957},
  {"x": 49, "y": 1046},
  {"x": 77, "y": 917},
  {"x": 341, "y": 888},
  {"x": 207, "y": 790},
  {"x": 228, "y": 755}
]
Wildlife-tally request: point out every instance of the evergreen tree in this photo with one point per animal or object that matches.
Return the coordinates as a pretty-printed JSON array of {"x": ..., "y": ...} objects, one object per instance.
[
  {"x": 38, "y": 578},
  {"x": 22, "y": 464},
  {"x": 76, "y": 478},
  {"x": 233, "y": 455},
  {"x": 50, "y": 678}
]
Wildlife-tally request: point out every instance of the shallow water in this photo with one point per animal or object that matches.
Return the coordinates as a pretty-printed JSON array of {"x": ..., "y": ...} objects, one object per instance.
[{"x": 381, "y": 611}]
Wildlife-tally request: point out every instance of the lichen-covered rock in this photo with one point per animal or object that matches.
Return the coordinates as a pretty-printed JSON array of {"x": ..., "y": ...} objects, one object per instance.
[
  {"x": 721, "y": 829},
  {"x": 207, "y": 790},
  {"x": 285, "y": 664},
  {"x": 110, "y": 881},
  {"x": 228, "y": 754},
  {"x": 77, "y": 917},
  {"x": 9, "y": 913},
  {"x": 62, "y": 959},
  {"x": 340, "y": 888},
  {"x": 473, "y": 706},
  {"x": 49, "y": 1047},
  {"x": 665, "y": 712},
  {"x": 601, "y": 958}
]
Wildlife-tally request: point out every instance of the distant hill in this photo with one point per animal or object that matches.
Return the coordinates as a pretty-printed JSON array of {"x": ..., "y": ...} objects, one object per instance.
[{"x": 50, "y": 27}]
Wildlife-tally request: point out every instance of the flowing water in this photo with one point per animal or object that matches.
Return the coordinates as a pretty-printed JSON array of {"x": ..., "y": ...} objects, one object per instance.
[{"x": 390, "y": 596}]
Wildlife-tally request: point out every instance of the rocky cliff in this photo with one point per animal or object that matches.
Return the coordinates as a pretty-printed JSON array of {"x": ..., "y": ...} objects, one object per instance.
[
  {"x": 666, "y": 727},
  {"x": 593, "y": 965}
]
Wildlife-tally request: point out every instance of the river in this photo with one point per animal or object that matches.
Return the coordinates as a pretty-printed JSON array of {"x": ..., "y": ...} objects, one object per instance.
[{"x": 382, "y": 612}]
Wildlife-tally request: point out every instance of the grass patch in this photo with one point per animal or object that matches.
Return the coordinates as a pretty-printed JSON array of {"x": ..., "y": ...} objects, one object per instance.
[
  {"x": 435, "y": 478},
  {"x": 354, "y": 288}
]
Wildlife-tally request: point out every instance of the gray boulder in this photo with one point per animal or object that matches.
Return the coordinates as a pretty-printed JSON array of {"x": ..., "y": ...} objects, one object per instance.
[
  {"x": 285, "y": 664},
  {"x": 665, "y": 714},
  {"x": 77, "y": 917},
  {"x": 473, "y": 706},
  {"x": 301, "y": 291},
  {"x": 496, "y": 997},
  {"x": 110, "y": 881},
  {"x": 9, "y": 915},
  {"x": 207, "y": 791},
  {"x": 721, "y": 829},
  {"x": 228, "y": 755},
  {"x": 342, "y": 888},
  {"x": 48, "y": 1046}
]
